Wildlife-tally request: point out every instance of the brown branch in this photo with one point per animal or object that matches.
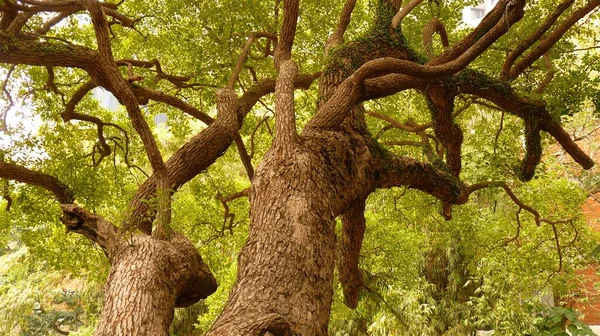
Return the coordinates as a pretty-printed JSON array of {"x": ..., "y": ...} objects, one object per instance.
[
  {"x": 244, "y": 55},
  {"x": 502, "y": 16},
  {"x": 228, "y": 217},
  {"x": 403, "y": 12},
  {"x": 253, "y": 135},
  {"x": 18, "y": 22},
  {"x": 18, "y": 173},
  {"x": 203, "y": 149},
  {"x": 45, "y": 28},
  {"x": 173, "y": 101},
  {"x": 503, "y": 96},
  {"x": 533, "y": 151},
  {"x": 287, "y": 31},
  {"x": 516, "y": 236},
  {"x": 550, "y": 72},
  {"x": 557, "y": 241},
  {"x": 396, "y": 171},
  {"x": 93, "y": 227},
  {"x": 478, "y": 186},
  {"x": 121, "y": 89},
  {"x": 70, "y": 114},
  {"x": 337, "y": 38},
  {"x": 551, "y": 39},
  {"x": 409, "y": 125},
  {"x": 534, "y": 37},
  {"x": 432, "y": 27},
  {"x": 353, "y": 231},
  {"x": 178, "y": 81},
  {"x": 75, "y": 218},
  {"x": 6, "y": 196},
  {"x": 441, "y": 105},
  {"x": 352, "y": 90},
  {"x": 244, "y": 156},
  {"x": 497, "y": 136},
  {"x": 286, "y": 135},
  {"x": 8, "y": 15},
  {"x": 8, "y": 96}
]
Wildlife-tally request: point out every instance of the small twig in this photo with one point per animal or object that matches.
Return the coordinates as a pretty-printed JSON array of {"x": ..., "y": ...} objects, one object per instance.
[
  {"x": 6, "y": 196},
  {"x": 498, "y": 132},
  {"x": 518, "y": 218}
]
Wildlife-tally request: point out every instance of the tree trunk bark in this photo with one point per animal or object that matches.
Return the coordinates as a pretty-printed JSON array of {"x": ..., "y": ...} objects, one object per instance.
[
  {"x": 148, "y": 279},
  {"x": 285, "y": 272}
]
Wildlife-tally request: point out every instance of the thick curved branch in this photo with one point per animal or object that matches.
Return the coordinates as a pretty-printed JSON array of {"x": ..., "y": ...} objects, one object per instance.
[
  {"x": 396, "y": 171},
  {"x": 403, "y": 12},
  {"x": 93, "y": 227},
  {"x": 75, "y": 218},
  {"x": 18, "y": 173},
  {"x": 441, "y": 105},
  {"x": 534, "y": 37},
  {"x": 353, "y": 231},
  {"x": 351, "y": 91},
  {"x": 503, "y": 96}
]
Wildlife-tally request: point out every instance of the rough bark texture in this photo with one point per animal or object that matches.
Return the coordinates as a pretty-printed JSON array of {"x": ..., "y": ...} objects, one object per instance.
[
  {"x": 305, "y": 181},
  {"x": 148, "y": 279},
  {"x": 284, "y": 283},
  {"x": 353, "y": 231}
]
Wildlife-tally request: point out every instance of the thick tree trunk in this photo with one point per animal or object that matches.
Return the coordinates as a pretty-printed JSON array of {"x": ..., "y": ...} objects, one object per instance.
[
  {"x": 148, "y": 279},
  {"x": 285, "y": 273}
]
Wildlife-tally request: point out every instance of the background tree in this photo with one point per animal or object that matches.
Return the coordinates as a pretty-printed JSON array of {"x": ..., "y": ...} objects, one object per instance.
[{"x": 304, "y": 180}]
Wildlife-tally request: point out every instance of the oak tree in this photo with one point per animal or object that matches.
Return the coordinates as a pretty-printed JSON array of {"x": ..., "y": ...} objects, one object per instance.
[{"x": 310, "y": 175}]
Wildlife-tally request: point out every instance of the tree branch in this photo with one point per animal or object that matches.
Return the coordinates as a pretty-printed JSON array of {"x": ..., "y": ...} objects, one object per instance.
[
  {"x": 353, "y": 231},
  {"x": 286, "y": 136},
  {"x": 203, "y": 149},
  {"x": 503, "y": 15},
  {"x": 396, "y": 171},
  {"x": 551, "y": 39},
  {"x": 535, "y": 36},
  {"x": 351, "y": 90},
  {"x": 550, "y": 72},
  {"x": 403, "y": 12},
  {"x": 337, "y": 38},
  {"x": 503, "y": 96},
  {"x": 432, "y": 27},
  {"x": 244, "y": 55},
  {"x": 287, "y": 31},
  {"x": 93, "y": 227},
  {"x": 18, "y": 173},
  {"x": 120, "y": 88}
]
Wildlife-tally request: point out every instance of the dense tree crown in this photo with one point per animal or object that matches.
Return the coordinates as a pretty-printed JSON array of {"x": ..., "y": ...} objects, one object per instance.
[{"x": 294, "y": 168}]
